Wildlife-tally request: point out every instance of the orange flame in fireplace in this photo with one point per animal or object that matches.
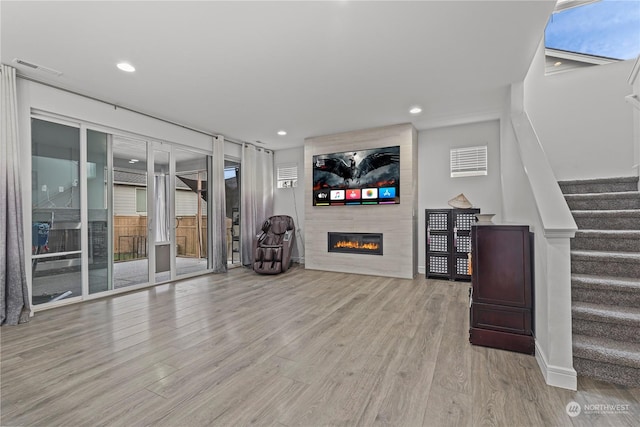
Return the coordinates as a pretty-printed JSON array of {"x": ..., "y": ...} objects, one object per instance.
[{"x": 356, "y": 245}]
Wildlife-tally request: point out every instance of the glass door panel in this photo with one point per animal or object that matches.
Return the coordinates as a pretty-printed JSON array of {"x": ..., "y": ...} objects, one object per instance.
[
  {"x": 232, "y": 196},
  {"x": 99, "y": 218},
  {"x": 55, "y": 200},
  {"x": 130, "y": 247},
  {"x": 161, "y": 224},
  {"x": 191, "y": 211}
]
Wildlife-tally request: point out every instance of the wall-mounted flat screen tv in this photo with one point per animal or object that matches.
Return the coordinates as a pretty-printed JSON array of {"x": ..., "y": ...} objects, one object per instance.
[{"x": 364, "y": 177}]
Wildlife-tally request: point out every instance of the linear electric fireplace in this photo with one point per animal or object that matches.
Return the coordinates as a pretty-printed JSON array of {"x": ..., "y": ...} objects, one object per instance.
[{"x": 355, "y": 243}]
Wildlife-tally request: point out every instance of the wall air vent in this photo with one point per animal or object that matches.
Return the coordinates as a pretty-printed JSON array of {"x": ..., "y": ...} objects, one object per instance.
[
  {"x": 468, "y": 161},
  {"x": 287, "y": 175},
  {"x": 37, "y": 67}
]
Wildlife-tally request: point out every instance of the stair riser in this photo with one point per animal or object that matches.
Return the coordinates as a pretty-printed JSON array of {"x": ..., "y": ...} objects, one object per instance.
[
  {"x": 579, "y": 243},
  {"x": 627, "y": 333},
  {"x": 597, "y": 296},
  {"x": 623, "y": 375},
  {"x": 598, "y": 188},
  {"x": 604, "y": 204},
  {"x": 608, "y": 223},
  {"x": 606, "y": 268}
]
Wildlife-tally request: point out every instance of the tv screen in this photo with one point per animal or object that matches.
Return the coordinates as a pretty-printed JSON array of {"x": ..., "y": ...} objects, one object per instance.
[{"x": 365, "y": 177}]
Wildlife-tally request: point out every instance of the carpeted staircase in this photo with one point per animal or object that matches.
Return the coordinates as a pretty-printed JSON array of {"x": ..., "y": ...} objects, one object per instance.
[{"x": 605, "y": 278}]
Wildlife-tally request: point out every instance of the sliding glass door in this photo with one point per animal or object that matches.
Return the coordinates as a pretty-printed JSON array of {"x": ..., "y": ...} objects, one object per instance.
[
  {"x": 160, "y": 202},
  {"x": 56, "y": 244},
  {"x": 232, "y": 200},
  {"x": 129, "y": 201},
  {"x": 191, "y": 211},
  {"x": 111, "y": 212},
  {"x": 99, "y": 218}
]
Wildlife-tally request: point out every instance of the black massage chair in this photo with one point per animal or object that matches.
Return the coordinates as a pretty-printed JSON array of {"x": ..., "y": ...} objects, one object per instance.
[{"x": 272, "y": 248}]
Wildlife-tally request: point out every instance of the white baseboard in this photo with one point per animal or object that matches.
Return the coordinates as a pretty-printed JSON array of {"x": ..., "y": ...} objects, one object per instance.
[{"x": 556, "y": 376}]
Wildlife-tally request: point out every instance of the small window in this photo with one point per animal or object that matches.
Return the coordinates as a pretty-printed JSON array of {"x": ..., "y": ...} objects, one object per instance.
[
  {"x": 141, "y": 200},
  {"x": 287, "y": 175},
  {"x": 468, "y": 161}
]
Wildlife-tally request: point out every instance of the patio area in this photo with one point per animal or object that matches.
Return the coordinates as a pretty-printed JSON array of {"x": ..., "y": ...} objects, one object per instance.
[{"x": 126, "y": 273}]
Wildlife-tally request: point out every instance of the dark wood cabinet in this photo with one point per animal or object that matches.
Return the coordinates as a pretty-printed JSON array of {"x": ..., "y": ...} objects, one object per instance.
[
  {"x": 448, "y": 241},
  {"x": 502, "y": 287}
]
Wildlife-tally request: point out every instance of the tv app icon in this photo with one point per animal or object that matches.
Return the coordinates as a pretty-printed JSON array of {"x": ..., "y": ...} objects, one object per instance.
[
  {"x": 387, "y": 192},
  {"x": 322, "y": 196},
  {"x": 353, "y": 194},
  {"x": 337, "y": 194},
  {"x": 370, "y": 193}
]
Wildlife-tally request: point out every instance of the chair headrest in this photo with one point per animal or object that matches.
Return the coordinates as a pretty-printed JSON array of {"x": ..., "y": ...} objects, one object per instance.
[
  {"x": 278, "y": 227},
  {"x": 281, "y": 223}
]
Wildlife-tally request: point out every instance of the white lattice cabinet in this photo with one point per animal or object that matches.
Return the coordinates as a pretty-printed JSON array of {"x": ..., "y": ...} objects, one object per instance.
[{"x": 448, "y": 241}]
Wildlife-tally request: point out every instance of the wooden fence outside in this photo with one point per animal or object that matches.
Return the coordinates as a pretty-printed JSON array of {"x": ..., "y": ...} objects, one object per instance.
[{"x": 130, "y": 237}]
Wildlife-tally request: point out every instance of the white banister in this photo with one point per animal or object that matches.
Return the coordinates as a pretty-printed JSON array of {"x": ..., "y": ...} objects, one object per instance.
[
  {"x": 554, "y": 227},
  {"x": 552, "y": 208},
  {"x": 634, "y": 101}
]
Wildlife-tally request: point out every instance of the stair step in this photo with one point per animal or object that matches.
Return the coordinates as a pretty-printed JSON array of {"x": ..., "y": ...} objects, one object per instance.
[
  {"x": 607, "y": 372},
  {"x": 618, "y": 264},
  {"x": 607, "y": 350},
  {"x": 607, "y": 240},
  {"x": 618, "y": 219},
  {"x": 628, "y": 316},
  {"x": 604, "y": 201},
  {"x": 599, "y": 185},
  {"x": 613, "y": 290},
  {"x": 615, "y": 322}
]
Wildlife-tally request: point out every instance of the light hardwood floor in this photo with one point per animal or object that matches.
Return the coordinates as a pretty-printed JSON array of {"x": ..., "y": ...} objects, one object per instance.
[{"x": 304, "y": 348}]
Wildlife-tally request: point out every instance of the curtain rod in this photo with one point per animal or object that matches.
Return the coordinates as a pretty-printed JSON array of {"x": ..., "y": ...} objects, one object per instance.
[{"x": 226, "y": 138}]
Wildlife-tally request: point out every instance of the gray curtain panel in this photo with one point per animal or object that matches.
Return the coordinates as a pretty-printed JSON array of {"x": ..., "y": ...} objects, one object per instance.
[
  {"x": 161, "y": 197},
  {"x": 14, "y": 293},
  {"x": 219, "y": 214},
  {"x": 256, "y": 204}
]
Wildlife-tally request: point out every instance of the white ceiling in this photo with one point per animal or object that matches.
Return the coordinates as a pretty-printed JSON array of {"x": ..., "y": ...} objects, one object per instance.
[{"x": 248, "y": 69}]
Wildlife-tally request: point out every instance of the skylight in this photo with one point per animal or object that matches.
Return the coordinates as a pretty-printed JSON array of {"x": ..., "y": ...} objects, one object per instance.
[{"x": 607, "y": 29}]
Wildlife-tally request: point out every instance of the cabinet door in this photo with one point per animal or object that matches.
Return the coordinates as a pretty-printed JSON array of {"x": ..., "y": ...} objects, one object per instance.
[
  {"x": 501, "y": 265},
  {"x": 462, "y": 220},
  {"x": 438, "y": 243}
]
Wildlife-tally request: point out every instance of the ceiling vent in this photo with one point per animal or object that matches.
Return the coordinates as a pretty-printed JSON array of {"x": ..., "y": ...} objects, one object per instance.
[{"x": 37, "y": 67}]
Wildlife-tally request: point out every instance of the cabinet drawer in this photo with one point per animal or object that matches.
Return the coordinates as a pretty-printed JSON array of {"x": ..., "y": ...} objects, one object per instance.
[{"x": 501, "y": 318}]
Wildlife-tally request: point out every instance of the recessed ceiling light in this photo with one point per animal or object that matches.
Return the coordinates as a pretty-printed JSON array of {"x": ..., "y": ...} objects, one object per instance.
[
  {"x": 415, "y": 110},
  {"x": 134, "y": 160},
  {"x": 124, "y": 66},
  {"x": 282, "y": 132},
  {"x": 557, "y": 64}
]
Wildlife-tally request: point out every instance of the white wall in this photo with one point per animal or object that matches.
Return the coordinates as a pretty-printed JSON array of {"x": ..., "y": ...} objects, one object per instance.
[
  {"x": 290, "y": 201},
  {"x": 436, "y": 185},
  {"x": 582, "y": 119}
]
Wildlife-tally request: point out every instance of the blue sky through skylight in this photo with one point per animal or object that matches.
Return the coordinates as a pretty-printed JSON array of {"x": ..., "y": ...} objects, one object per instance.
[{"x": 608, "y": 28}]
